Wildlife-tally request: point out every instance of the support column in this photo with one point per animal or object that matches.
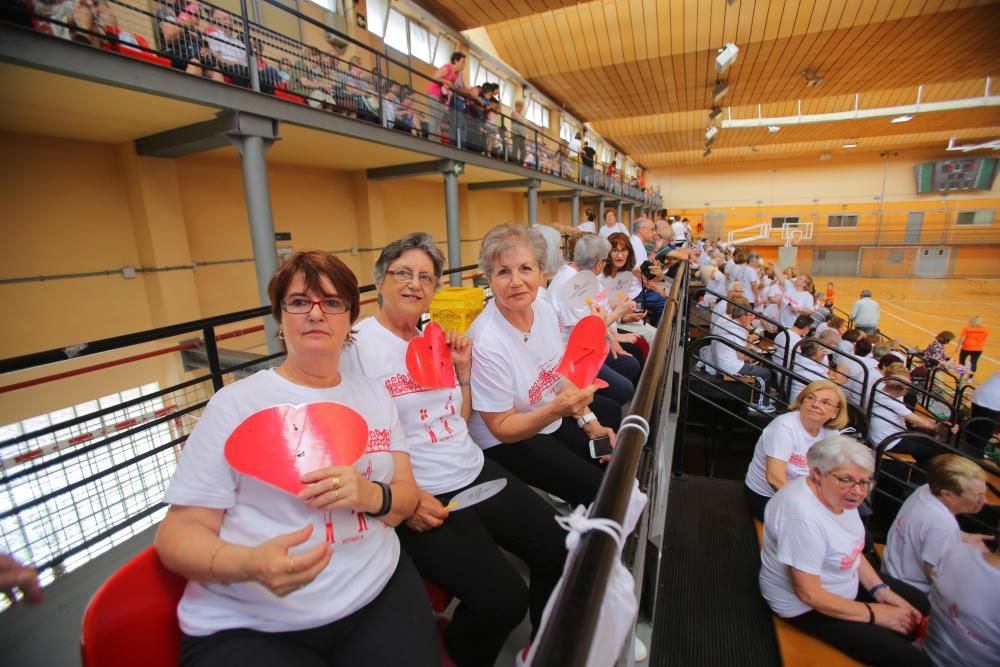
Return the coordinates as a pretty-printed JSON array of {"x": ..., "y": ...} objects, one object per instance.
[
  {"x": 451, "y": 221},
  {"x": 258, "y": 198},
  {"x": 575, "y": 208},
  {"x": 533, "y": 202},
  {"x": 619, "y": 210},
  {"x": 631, "y": 215},
  {"x": 600, "y": 212}
]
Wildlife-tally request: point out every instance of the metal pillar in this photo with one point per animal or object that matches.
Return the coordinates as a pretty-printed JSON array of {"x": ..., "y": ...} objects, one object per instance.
[
  {"x": 631, "y": 215},
  {"x": 533, "y": 202},
  {"x": 258, "y": 198},
  {"x": 451, "y": 220},
  {"x": 619, "y": 210},
  {"x": 600, "y": 212},
  {"x": 576, "y": 208}
]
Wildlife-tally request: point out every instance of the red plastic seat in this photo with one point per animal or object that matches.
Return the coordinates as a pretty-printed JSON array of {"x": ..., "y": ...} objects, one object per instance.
[
  {"x": 132, "y": 618},
  {"x": 280, "y": 94},
  {"x": 438, "y": 597}
]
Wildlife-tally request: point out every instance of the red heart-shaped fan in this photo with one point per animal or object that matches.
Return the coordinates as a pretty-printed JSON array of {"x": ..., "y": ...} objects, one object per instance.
[
  {"x": 428, "y": 358},
  {"x": 585, "y": 352},
  {"x": 280, "y": 444}
]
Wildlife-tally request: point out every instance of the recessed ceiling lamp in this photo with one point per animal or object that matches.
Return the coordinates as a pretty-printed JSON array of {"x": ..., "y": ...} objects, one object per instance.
[
  {"x": 773, "y": 128},
  {"x": 902, "y": 119},
  {"x": 850, "y": 144},
  {"x": 811, "y": 77},
  {"x": 727, "y": 56},
  {"x": 719, "y": 90},
  {"x": 714, "y": 113},
  {"x": 710, "y": 133}
]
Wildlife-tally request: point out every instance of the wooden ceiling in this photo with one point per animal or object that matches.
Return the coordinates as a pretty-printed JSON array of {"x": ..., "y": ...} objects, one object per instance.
[{"x": 641, "y": 71}]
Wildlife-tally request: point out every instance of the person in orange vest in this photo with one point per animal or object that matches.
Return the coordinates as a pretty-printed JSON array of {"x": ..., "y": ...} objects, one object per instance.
[
  {"x": 971, "y": 341},
  {"x": 831, "y": 294}
]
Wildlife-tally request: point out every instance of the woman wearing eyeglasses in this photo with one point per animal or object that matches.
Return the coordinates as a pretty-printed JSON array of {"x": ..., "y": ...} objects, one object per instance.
[
  {"x": 813, "y": 572},
  {"x": 457, "y": 552},
  {"x": 265, "y": 586},
  {"x": 925, "y": 527},
  {"x": 818, "y": 412}
]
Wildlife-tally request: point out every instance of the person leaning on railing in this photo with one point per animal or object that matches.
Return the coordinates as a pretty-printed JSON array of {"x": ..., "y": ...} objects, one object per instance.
[
  {"x": 265, "y": 586},
  {"x": 527, "y": 417},
  {"x": 817, "y": 413},
  {"x": 814, "y": 573},
  {"x": 457, "y": 552},
  {"x": 890, "y": 415}
]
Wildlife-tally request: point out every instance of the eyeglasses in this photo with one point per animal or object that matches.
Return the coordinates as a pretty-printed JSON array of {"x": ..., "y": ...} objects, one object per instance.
[
  {"x": 846, "y": 481},
  {"x": 405, "y": 276},
  {"x": 331, "y": 305},
  {"x": 825, "y": 402},
  {"x": 619, "y": 251}
]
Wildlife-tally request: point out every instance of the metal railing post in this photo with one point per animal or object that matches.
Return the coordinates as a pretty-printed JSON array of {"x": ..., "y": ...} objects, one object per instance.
[
  {"x": 212, "y": 351},
  {"x": 252, "y": 55},
  {"x": 379, "y": 85}
]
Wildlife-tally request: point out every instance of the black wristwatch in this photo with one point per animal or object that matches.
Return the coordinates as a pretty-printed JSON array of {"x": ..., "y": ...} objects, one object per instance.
[{"x": 386, "y": 500}]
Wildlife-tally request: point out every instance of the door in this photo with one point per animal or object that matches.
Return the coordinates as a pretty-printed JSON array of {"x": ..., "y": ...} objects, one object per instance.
[
  {"x": 933, "y": 262},
  {"x": 835, "y": 262},
  {"x": 914, "y": 225},
  {"x": 715, "y": 222}
]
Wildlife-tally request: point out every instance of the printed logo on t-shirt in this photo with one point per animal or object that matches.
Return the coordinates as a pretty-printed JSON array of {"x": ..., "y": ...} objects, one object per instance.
[
  {"x": 798, "y": 460},
  {"x": 546, "y": 378},
  {"x": 402, "y": 384},
  {"x": 953, "y": 611},
  {"x": 378, "y": 440},
  {"x": 847, "y": 562}
]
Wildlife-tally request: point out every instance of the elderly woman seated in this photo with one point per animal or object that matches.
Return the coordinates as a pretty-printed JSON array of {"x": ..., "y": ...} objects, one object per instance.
[
  {"x": 818, "y": 412},
  {"x": 457, "y": 552},
  {"x": 925, "y": 527},
  {"x": 527, "y": 417},
  {"x": 813, "y": 572},
  {"x": 891, "y": 416},
  {"x": 265, "y": 586},
  {"x": 618, "y": 270},
  {"x": 622, "y": 366}
]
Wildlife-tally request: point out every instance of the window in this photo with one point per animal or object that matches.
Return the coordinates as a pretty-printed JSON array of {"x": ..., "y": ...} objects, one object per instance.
[
  {"x": 842, "y": 220},
  {"x": 507, "y": 89},
  {"x": 567, "y": 130},
  {"x": 420, "y": 42},
  {"x": 604, "y": 153},
  {"x": 781, "y": 221},
  {"x": 335, "y": 6},
  {"x": 536, "y": 113},
  {"x": 376, "y": 16},
  {"x": 981, "y": 218},
  {"x": 395, "y": 32},
  {"x": 442, "y": 54}
]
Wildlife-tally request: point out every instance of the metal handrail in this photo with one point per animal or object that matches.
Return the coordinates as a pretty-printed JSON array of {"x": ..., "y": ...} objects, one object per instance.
[{"x": 566, "y": 637}]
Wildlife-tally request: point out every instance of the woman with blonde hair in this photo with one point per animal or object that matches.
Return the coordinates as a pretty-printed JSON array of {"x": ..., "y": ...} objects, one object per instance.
[
  {"x": 818, "y": 412},
  {"x": 925, "y": 527},
  {"x": 971, "y": 342}
]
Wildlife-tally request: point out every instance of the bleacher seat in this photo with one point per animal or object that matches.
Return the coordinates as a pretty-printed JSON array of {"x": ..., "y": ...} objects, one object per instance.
[{"x": 282, "y": 95}]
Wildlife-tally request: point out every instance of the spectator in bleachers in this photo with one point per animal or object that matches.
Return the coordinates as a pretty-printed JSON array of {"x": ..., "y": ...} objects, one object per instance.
[
  {"x": 611, "y": 224},
  {"x": 264, "y": 585},
  {"x": 866, "y": 313},
  {"x": 447, "y": 81},
  {"x": 178, "y": 35},
  {"x": 745, "y": 270},
  {"x": 813, "y": 570},
  {"x": 964, "y": 627},
  {"x": 816, "y": 413},
  {"x": 934, "y": 353},
  {"x": 971, "y": 342},
  {"x": 729, "y": 360},
  {"x": 621, "y": 261},
  {"x": 679, "y": 232},
  {"x": 925, "y": 527},
  {"x": 311, "y": 81},
  {"x": 787, "y": 339},
  {"x": 359, "y": 91},
  {"x": 642, "y": 233},
  {"x": 228, "y": 50},
  {"x": 268, "y": 76},
  {"x": 890, "y": 415},
  {"x": 811, "y": 363},
  {"x": 457, "y": 552},
  {"x": 862, "y": 371},
  {"x": 986, "y": 413},
  {"x": 797, "y": 300},
  {"x": 622, "y": 366},
  {"x": 526, "y": 417},
  {"x": 838, "y": 324},
  {"x": 588, "y": 225}
]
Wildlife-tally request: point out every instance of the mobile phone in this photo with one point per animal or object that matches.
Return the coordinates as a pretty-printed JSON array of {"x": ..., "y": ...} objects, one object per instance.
[{"x": 600, "y": 447}]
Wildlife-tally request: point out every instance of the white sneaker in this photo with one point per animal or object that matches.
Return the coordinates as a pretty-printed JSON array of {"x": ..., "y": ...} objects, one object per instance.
[
  {"x": 639, "y": 650},
  {"x": 765, "y": 409}
]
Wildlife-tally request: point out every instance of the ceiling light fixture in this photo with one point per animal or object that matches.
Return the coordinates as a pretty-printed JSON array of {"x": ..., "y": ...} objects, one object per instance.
[
  {"x": 719, "y": 90},
  {"x": 850, "y": 144},
  {"x": 811, "y": 77},
  {"x": 714, "y": 113},
  {"x": 727, "y": 56},
  {"x": 773, "y": 128},
  {"x": 902, "y": 119},
  {"x": 710, "y": 133}
]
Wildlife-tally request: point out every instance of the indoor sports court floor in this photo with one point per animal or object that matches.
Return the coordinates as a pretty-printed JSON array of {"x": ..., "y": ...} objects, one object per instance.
[{"x": 914, "y": 310}]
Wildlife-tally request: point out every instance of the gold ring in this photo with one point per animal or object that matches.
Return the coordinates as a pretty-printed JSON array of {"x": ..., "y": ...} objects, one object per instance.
[
  {"x": 336, "y": 482},
  {"x": 291, "y": 565},
  {"x": 336, "y": 493}
]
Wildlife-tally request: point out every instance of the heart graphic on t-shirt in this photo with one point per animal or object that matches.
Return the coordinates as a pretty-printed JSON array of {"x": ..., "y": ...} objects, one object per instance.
[
  {"x": 428, "y": 358},
  {"x": 585, "y": 352},
  {"x": 280, "y": 444}
]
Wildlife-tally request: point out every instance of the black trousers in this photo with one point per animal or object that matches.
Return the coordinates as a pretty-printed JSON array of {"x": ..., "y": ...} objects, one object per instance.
[
  {"x": 755, "y": 502},
  {"x": 866, "y": 643},
  {"x": 978, "y": 433},
  {"x": 396, "y": 628},
  {"x": 462, "y": 558},
  {"x": 964, "y": 354},
  {"x": 558, "y": 463}
]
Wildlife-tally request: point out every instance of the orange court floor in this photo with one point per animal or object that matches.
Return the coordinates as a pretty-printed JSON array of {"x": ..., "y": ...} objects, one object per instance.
[{"x": 914, "y": 310}]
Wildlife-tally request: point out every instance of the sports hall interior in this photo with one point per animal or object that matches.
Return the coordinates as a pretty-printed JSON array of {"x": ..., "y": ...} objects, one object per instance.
[{"x": 139, "y": 196}]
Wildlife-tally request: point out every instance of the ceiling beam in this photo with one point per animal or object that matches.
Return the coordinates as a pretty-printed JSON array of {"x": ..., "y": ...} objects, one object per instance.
[{"x": 504, "y": 185}]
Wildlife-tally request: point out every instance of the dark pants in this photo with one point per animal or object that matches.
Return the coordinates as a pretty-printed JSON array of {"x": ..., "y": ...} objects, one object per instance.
[
  {"x": 558, "y": 463},
  {"x": 755, "y": 502},
  {"x": 920, "y": 449},
  {"x": 396, "y": 628},
  {"x": 866, "y": 643},
  {"x": 517, "y": 146},
  {"x": 979, "y": 432},
  {"x": 462, "y": 558},
  {"x": 621, "y": 374},
  {"x": 653, "y": 304},
  {"x": 761, "y": 377},
  {"x": 965, "y": 354}
]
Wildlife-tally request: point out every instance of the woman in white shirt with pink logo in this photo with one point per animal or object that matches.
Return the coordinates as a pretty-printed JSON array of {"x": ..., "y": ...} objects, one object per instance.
[{"x": 813, "y": 572}]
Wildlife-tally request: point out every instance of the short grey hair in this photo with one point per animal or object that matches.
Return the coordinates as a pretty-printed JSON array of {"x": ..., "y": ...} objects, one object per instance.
[
  {"x": 838, "y": 450},
  {"x": 640, "y": 223},
  {"x": 504, "y": 237},
  {"x": 830, "y": 336},
  {"x": 553, "y": 248},
  {"x": 415, "y": 241},
  {"x": 589, "y": 250},
  {"x": 866, "y": 293}
]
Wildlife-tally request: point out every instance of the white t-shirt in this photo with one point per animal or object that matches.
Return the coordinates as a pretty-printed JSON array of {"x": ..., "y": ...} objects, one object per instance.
[
  {"x": 680, "y": 232},
  {"x": 717, "y": 284},
  {"x": 726, "y": 358},
  {"x": 748, "y": 276},
  {"x": 618, "y": 227},
  {"x": 922, "y": 532},
  {"x": 510, "y": 372},
  {"x": 988, "y": 394},
  {"x": 888, "y": 417},
  {"x": 633, "y": 291},
  {"x": 587, "y": 226},
  {"x": 230, "y": 49},
  {"x": 443, "y": 456},
  {"x": 569, "y": 316},
  {"x": 784, "y": 340},
  {"x": 785, "y": 439},
  {"x": 793, "y": 298},
  {"x": 365, "y": 549},
  {"x": 639, "y": 249},
  {"x": 964, "y": 630},
  {"x": 800, "y": 532},
  {"x": 811, "y": 370}
]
